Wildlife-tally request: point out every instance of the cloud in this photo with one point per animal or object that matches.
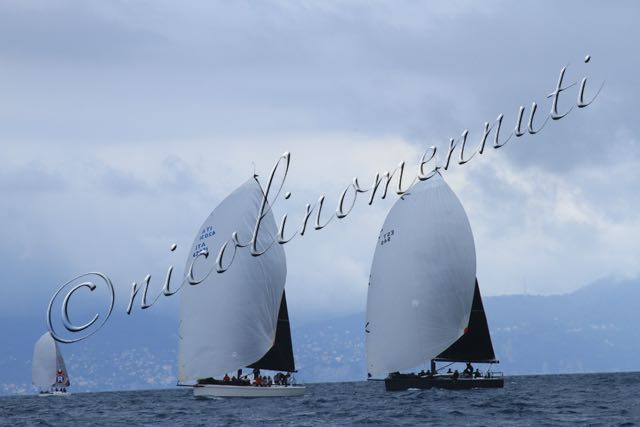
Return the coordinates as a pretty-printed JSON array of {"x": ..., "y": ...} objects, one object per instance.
[
  {"x": 123, "y": 125},
  {"x": 31, "y": 178},
  {"x": 550, "y": 232},
  {"x": 67, "y": 32}
]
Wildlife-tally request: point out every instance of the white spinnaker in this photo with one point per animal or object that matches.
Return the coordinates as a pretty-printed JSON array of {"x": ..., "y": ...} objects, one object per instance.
[
  {"x": 229, "y": 320},
  {"x": 44, "y": 364},
  {"x": 422, "y": 279}
]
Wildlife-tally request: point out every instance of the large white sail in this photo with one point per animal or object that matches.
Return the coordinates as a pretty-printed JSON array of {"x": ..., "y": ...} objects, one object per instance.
[
  {"x": 229, "y": 320},
  {"x": 47, "y": 360},
  {"x": 422, "y": 279}
]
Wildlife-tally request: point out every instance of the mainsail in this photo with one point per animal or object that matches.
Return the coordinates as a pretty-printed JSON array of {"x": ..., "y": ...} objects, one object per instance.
[
  {"x": 280, "y": 356},
  {"x": 475, "y": 345},
  {"x": 229, "y": 320},
  {"x": 47, "y": 363},
  {"x": 422, "y": 279}
]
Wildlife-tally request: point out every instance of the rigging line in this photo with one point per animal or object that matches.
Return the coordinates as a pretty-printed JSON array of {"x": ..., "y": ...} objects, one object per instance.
[{"x": 446, "y": 366}]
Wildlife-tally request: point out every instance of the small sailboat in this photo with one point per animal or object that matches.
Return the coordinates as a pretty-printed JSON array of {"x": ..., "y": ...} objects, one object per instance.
[
  {"x": 48, "y": 371},
  {"x": 423, "y": 302},
  {"x": 237, "y": 319}
]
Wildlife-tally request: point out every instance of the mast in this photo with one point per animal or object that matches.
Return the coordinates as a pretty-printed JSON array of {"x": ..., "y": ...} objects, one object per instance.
[{"x": 475, "y": 345}]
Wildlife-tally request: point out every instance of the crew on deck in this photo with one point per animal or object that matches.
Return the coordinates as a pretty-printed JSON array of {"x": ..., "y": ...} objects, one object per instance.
[
  {"x": 259, "y": 380},
  {"x": 468, "y": 371},
  {"x": 427, "y": 374},
  {"x": 281, "y": 379}
]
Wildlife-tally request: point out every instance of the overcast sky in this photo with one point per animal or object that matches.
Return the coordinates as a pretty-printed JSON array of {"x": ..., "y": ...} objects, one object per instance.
[{"x": 123, "y": 124}]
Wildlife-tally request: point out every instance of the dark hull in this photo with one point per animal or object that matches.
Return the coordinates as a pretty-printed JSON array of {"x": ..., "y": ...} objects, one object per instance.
[{"x": 405, "y": 383}]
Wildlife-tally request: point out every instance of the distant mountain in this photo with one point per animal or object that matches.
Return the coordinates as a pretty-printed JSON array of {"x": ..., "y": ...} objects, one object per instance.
[
  {"x": 591, "y": 330},
  {"x": 332, "y": 350},
  {"x": 594, "y": 329}
]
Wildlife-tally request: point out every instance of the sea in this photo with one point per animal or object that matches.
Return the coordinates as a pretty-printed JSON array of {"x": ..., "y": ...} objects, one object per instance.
[{"x": 546, "y": 400}]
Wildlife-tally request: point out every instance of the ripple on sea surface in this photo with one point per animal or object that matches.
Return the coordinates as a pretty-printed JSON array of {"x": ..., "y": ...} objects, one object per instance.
[{"x": 605, "y": 399}]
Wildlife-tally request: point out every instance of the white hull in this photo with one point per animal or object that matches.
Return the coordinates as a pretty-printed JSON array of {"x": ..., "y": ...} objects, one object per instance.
[
  {"x": 215, "y": 390},
  {"x": 54, "y": 393}
]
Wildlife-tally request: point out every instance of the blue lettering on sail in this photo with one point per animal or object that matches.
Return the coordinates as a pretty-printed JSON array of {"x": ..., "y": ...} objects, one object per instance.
[
  {"x": 207, "y": 232},
  {"x": 199, "y": 248}
]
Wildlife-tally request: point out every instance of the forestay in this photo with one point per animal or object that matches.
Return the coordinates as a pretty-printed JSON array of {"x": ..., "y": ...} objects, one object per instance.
[
  {"x": 422, "y": 279},
  {"x": 229, "y": 320}
]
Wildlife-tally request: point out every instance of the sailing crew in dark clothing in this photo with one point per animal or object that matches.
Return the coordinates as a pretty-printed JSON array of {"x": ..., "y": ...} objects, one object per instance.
[
  {"x": 477, "y": 373},
  {"x": 256, "y": 373},
  {"x": 456, "y": 374},
  {"x": 468, "y": 371}
]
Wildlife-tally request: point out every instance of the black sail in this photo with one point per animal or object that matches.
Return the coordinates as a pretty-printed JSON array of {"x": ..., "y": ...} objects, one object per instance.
[
  {"x": 475, "y": 345},
  {"x": 280, "y": 355}
]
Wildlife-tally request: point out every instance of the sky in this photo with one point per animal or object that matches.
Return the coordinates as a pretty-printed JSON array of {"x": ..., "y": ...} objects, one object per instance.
[{"x": 123, "y": 125}]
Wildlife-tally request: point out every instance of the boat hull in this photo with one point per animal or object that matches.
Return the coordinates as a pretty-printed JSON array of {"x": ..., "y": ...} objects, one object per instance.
[
  {"x": 204, "y": 391},
  {"x": 406, "y": 383},
  {"x": 54, "y": 393}
]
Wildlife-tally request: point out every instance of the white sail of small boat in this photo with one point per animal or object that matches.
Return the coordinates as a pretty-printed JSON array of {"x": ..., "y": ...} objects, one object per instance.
[
  {"x": 423, "y": 280},
  {"x": 49, "y": 373},
  {"x": 238, "y": 318}
]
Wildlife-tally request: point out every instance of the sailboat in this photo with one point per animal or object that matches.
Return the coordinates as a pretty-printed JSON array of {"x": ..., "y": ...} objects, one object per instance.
[
  {"x": 48, "y": 371},
  {"x": 236, "y": 319},
  {"x": 423, "y": 302}
]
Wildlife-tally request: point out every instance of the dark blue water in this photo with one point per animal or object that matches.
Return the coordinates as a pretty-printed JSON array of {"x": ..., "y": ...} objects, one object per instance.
[{"x": 594, "y": 399}]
